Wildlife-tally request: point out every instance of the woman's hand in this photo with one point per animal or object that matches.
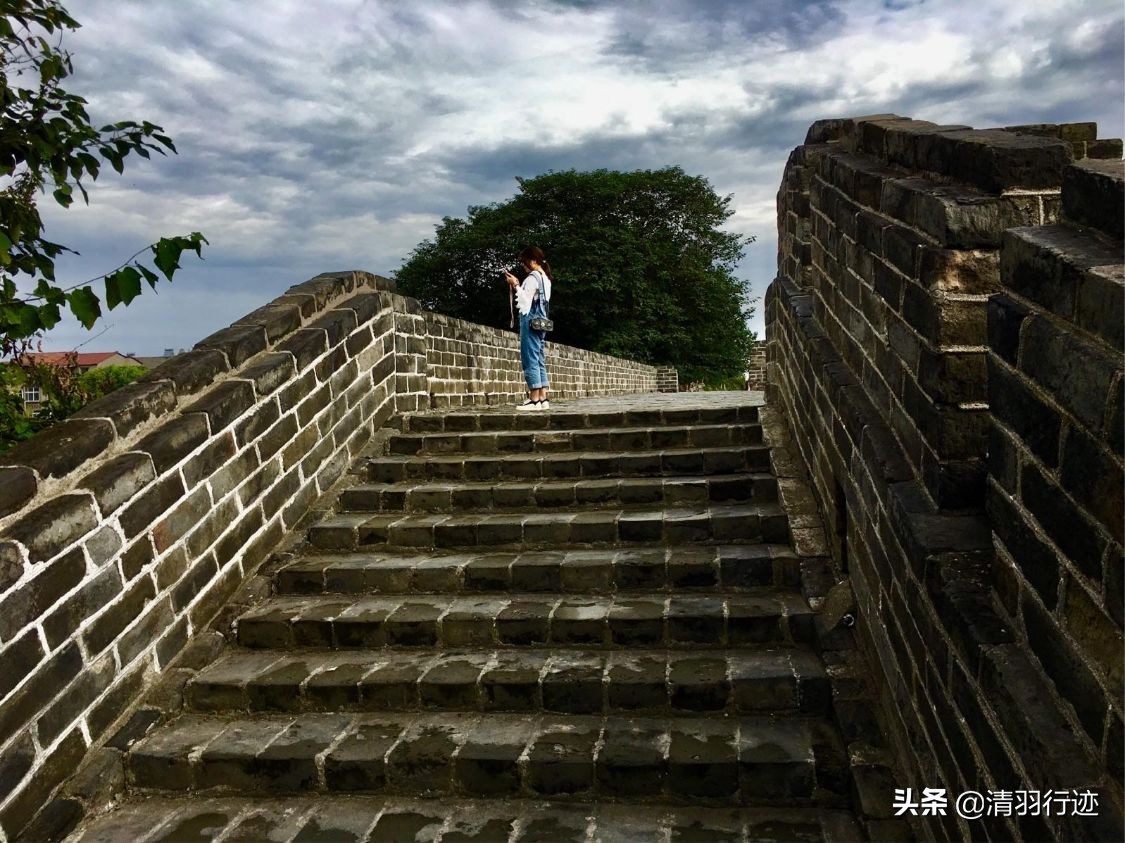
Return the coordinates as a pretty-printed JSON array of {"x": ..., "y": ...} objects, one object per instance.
[{"x": 513, "y": 282}]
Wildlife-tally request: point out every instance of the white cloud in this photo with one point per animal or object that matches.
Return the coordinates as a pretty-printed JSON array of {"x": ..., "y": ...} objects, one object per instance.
[{"x": 337, "y": 134}]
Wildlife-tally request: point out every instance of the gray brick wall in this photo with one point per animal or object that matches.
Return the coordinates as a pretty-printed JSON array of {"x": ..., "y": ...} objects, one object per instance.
[
  {"x": 1055, "y": 481},
  {"x": 890, "y": 236},
  {"x": 125, "y": 529}
]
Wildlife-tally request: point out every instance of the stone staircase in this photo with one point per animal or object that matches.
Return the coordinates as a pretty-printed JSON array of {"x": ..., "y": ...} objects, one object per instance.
[{"x": 548, "y": 626}]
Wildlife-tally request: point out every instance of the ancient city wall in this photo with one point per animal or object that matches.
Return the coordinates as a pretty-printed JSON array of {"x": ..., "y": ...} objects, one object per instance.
[
  {"x": 878, "y": 328},
  {"x": 1055, "y": 481},
  {"x": 125, "y": 529}
]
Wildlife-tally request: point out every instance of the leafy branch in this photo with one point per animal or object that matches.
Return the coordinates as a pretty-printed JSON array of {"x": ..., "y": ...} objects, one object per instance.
[{"x": 47, "y": 143}]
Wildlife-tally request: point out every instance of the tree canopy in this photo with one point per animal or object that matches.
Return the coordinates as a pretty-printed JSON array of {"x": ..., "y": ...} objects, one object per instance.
[
  {"x": 640, "y": 266},
  {"x": 48, "y": 143}
]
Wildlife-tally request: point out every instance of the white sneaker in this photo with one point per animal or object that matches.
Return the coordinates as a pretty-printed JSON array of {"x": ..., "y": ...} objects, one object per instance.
[
  {"x": 528, "y": 405},
  {"x": 545, "y": 404}
]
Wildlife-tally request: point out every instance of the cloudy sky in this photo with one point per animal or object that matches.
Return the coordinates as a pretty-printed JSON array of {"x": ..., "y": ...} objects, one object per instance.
[{"x": 318, "y": 135}]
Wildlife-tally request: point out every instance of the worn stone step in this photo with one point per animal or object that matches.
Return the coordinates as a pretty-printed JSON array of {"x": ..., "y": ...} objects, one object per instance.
[
  {"x": 590, "y": 439},
  {"x": 533, "y": 466},
  {"x": 561, "y": 418},
  {"x": 372, "y": 818},
  {"x": 424, "y": 496},
  {"x": 751, "y": 522},
  {"x": 593, "y": 571},
  {"x": 676, "y": 620},
  {"x": 758, "y": 680},
  {"x": 648, "y": 759}
]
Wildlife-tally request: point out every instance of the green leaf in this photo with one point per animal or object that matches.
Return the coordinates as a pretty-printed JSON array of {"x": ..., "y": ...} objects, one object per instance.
[
  {"x": 122, "y": 286},
  {"x": 85, "y": 306},
  {"x": 29, "y": 321},
  {"x": 151, "y": 277},
  {"x": 167, "y": 255}
]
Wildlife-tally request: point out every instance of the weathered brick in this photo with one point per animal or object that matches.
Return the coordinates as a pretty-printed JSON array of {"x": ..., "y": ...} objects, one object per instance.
[
  {"x": 99, "y": 591},
  {"x": 1070, "y": 674},
  {"x": 108, "y": 625},
  {"x": 1077, "y": 373},
  {"x": 174, "y": 440},
  {"x": 180, "y": 519},
  {"x": 116, "y": 482},
  {"x": 270, "y": 373},
  {"x": 62, "y": 447},
  {"x": 48, "y": 529},
  {"x": 1064, "y": 523},
  {"x": 207, "y": 461},
  {"x": 1097, "y": 635},
  {"x": 1018, "y": 408},
  {"x": 225, "y": 403},
  {"x": 17, "y": 487},
  {"x": 1092, "y": 193},
  {"x": 151, "y": 504},
  {"x": 56, "y": 673},
  {"x": 306, "y": 346},
  {"x": 261, "y": 419},
  {"x": 18, "y": 659},
  {"x": 279, "y": 318},
  {"x": 109, "y": 708},
  {"x": 238, "y": 342},
  {"x": 1094, "y": 478},
  {"x": 233, "y": 474},
  {"x": 131, "y": 405},
  {"x": 277, "y": 437},
  {"x": 190, "y": 372},
  {"x": 57, "y": 764},
  {"x": 65, "y": 711},
  {"x": 33, "y": 599}
]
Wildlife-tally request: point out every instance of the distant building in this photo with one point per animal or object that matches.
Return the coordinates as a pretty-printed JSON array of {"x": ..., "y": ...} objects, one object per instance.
[
  {"x": 153, "y": 362},
  {"x": 33, "y": 397},
  {"x": 86, "y": 360}
]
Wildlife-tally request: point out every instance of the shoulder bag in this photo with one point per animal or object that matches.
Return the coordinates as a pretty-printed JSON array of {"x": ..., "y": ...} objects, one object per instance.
[{"x": 541, "y": 322}]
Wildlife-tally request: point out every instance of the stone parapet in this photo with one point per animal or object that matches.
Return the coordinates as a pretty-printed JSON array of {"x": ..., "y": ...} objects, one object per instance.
[
  {"x": 915, "y": 266},
  {"x": 124, "y": 530},
  {"x": 1056, "y": 389}
]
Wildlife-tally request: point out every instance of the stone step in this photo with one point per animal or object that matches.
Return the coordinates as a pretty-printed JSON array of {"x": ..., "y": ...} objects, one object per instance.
[
  {"x": 394, "y": 819},
  {"x": 531, "y": 466},
  {"x": 750, "y": 681},
  {"x": 733, "y": 760},
  {"x": 680, "y": 620},
  {"x": 423, "y": 496},
  {"x": 751, "y": 522},
  {"x": 561, "y": 418},
  {"x": 596, "y": 571},
  {"x": 591, "y": 439}
]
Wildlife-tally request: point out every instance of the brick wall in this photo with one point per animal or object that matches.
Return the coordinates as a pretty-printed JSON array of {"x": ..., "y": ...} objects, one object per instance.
[
  {"x": 1054, "y": 498},
  {"x": 877, "y": 330},
  {"x": 667, "y": 379},
  {"x": 756, "y": 367},
  {"x": 125, "y": 529}
]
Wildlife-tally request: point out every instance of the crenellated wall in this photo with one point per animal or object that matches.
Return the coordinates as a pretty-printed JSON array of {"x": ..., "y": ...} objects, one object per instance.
[
  {"x": 126, "y": 528},
  {"x": 894, "y": 236}
]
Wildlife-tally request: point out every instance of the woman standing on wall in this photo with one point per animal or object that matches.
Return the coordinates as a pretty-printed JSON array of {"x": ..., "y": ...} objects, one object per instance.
[{"x": 532, "y": 296}]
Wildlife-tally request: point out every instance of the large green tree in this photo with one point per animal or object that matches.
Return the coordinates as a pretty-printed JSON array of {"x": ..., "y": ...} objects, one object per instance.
[
  {"x": 47, "y": 143},
  {"x": 641, "y": 266}
]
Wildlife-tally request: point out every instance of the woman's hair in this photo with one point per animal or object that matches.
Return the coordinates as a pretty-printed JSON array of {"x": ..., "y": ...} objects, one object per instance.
[{"x": 534, "y": 253}]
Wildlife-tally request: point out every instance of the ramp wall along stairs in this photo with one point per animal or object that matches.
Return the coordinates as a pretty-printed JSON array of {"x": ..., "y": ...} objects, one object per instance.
[{"x": 549, "y": 626}]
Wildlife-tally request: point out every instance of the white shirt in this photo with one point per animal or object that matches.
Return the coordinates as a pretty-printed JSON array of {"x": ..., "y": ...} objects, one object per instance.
[{"x": 525, "y": 292}]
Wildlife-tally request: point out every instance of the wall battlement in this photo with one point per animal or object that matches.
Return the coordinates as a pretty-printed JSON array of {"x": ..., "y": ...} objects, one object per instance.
[
  {"x": 945, "y": 333},
  {"x": 125, "y": 529}
]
